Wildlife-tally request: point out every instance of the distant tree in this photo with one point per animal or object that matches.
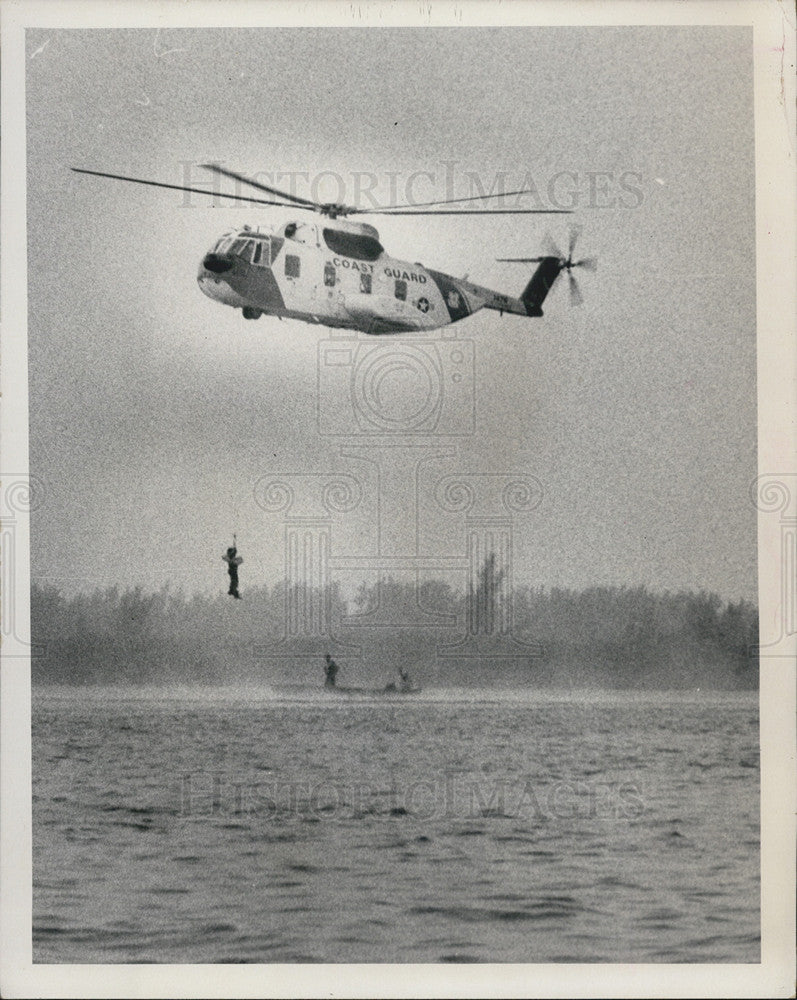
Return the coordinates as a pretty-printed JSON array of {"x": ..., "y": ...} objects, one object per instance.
[{"x": 487, "y": 603}]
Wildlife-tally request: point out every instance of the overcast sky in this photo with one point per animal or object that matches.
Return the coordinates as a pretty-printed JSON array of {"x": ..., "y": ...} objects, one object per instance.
[{"x": 155, "y": 412}]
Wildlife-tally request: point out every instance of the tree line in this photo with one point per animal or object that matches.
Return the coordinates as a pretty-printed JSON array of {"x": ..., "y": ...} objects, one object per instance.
[{"x": 604, "y": 636}]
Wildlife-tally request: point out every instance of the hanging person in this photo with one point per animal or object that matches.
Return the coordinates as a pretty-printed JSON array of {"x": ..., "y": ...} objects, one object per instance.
[
  {"x": 233, "y": 561},
  {"x": 330, "y": 671}
]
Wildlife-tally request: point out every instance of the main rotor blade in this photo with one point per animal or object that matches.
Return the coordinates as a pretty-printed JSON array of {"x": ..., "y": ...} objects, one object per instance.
[
  {"x": 182, "y": 187},
  {"x": 446, "y": 201},
  {"x": 468, "y": 211},
  {"x": 216, "y": 169},
  {"x": 520, "y": 260},
  {"x": 588, "y": 263}
]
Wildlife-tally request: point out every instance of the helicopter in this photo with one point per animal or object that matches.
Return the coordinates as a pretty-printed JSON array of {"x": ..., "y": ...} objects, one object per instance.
[{"x": 337, "y": 273}]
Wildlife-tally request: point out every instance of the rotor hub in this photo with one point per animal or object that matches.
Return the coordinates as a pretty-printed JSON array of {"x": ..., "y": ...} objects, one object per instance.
[{"x": 333, "y": 210}]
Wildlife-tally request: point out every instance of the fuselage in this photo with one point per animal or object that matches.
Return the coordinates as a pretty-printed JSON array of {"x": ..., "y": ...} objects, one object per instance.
[{"x": 338, "y": 275}]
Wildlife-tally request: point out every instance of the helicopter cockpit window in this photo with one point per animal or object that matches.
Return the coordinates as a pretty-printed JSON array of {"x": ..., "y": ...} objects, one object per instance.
[
  {"x": 262, "y": 252},
  {"x": 401, "y": 289},
  {"x": 356, "y": 245},
  {"x": 292, "y": 266},
  {"x": 237, "y": 247}
]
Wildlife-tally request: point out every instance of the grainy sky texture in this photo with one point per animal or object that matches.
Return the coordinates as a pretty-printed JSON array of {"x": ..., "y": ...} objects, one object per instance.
[{"x": 155, "y": 412}]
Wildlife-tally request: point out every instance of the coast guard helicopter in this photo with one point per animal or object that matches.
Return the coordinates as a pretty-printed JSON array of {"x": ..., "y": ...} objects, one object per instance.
[{"x": 336, "y": 272}]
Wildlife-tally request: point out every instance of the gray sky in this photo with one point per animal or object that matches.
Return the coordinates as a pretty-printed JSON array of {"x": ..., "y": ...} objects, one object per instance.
[{"x": 154, "y": 411}]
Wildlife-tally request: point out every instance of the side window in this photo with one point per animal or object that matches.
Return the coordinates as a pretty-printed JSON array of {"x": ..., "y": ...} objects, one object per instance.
[
  {"x": 365, "y": 283},
  {"x": 401, "y": 289},
  {"x": 237, "y": 247},
  {"x": 330, "y": 275},
  {"x": 292, "y": 266}
]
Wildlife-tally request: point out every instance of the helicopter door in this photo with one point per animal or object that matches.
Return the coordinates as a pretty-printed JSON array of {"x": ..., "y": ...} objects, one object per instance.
[{"x": 328, "y": 294}]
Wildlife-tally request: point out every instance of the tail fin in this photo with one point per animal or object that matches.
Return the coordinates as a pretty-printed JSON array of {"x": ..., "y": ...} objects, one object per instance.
[{"x": 541, "y": 283}]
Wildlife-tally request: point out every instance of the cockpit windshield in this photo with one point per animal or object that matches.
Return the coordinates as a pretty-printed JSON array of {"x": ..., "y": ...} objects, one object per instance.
[
  {"x": 241, "y": 248},
  {"x": 251, "y": 249}
]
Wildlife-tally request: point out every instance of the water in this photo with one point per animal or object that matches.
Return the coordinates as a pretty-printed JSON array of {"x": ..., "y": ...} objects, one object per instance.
[{"x": 450, "y": 826}]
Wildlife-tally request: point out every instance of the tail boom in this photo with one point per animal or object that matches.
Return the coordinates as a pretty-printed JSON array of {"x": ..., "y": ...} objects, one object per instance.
[
  {"x": 541, "y": 283},
  {"x": 532, "y": 296}
]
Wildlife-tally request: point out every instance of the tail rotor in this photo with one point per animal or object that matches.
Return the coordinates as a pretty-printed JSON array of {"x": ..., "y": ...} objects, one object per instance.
[
  {"x": 568, "y": 263},
  {"x": 564, "y": 263}
]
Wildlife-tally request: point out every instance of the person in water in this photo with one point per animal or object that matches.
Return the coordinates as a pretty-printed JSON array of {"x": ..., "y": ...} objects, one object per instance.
[
  {"x": 330, "y": 671},
  {"x": 233, "y": 561}
]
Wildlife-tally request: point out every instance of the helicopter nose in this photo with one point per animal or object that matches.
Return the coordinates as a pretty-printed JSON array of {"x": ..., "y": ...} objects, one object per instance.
[{"x": 217, "y": 263}]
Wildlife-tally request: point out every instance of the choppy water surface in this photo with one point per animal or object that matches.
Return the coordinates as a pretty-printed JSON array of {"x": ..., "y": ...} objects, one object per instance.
[{"x": 178, "y": 826}]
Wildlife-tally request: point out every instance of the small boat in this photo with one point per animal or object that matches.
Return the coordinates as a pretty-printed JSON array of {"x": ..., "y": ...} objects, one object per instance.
[
  {"x": 403, "y": 687},
  {"x": 388, "y": 689}
]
